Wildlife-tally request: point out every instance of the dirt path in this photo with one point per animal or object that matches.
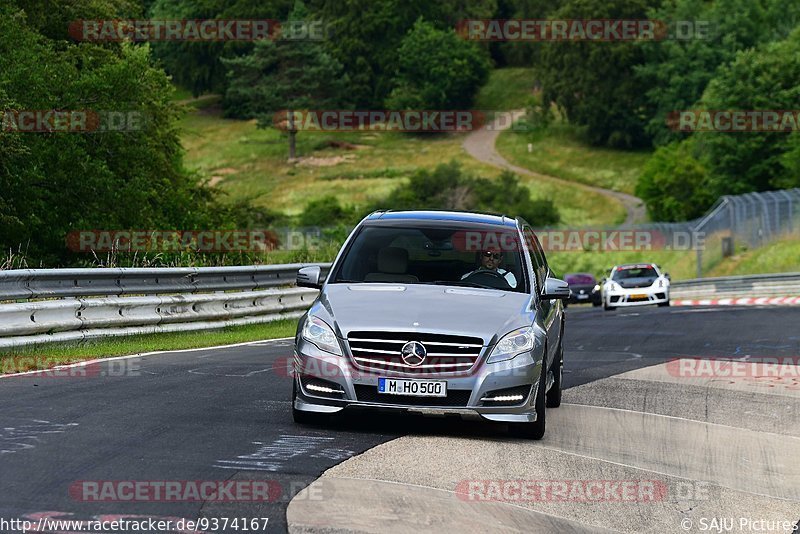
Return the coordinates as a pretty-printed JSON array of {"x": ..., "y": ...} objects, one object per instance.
[{"x": 480, "y": 144}]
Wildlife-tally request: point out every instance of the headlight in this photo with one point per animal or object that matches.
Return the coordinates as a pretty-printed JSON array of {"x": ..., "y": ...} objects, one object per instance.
[
  {"x": 513, "y": 343},
  {"x": 317, "y": 331},
  {"x": 596, "y": 288}
]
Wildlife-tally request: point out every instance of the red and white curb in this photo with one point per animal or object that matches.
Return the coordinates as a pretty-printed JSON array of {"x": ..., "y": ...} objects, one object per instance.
[{"x": 747, "y": 301}]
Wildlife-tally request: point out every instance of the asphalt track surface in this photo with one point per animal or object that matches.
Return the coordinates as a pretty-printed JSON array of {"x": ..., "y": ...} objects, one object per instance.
[{"x": 224, "y": 414}]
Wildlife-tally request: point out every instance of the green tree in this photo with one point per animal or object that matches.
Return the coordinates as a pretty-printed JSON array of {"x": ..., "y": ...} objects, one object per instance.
[
  {"x": 765, "y": 78},
  {"x": 284, "y": 75},
  {"x": 593, "y": 83},
  {"x": 54, "y": 183},
  {"x": 437, "y": 69},
  {"x": 674, "y": 184},
  {"x": 366, "y": 35},
  {"x": 199, "y": 66},
  {"x": 676, "y": 72}
]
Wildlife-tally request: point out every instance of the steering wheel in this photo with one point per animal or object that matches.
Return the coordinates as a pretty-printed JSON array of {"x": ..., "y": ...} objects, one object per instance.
[{"x": 488, "y": 278}]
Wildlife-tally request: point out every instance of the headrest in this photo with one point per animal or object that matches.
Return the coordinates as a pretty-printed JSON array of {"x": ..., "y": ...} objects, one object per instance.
[{"x": 393, "y": 260}]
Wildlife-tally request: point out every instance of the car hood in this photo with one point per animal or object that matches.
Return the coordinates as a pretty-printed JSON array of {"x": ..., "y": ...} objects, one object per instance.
[{"x": 426, "y": 308}]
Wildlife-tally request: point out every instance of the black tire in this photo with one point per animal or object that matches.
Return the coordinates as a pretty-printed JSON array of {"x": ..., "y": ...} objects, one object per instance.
[
  {"x": 663, "y": 304},
  {"x": 534, "y": 430},
  {"x": 306, "y": 418},
  {"x": 606, "y": 307},
  {"x": 553, "y": 397},
  {"x": 596, "y": 303}
]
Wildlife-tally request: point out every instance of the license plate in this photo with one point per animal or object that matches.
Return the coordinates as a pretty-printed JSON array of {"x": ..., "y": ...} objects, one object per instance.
[
  {"x": 639, "y": 296},
  {"x": 583, "y": 297},
  {"x": 415, "y": 388}
]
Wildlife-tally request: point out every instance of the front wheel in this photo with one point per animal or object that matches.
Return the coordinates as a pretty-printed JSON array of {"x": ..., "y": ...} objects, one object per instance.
[
  {"x": 553, "y": 397},
  {"x": 663, "y": 304},
  {"x": 606, "y": 307},
  {"x": 536, "y": 429}
]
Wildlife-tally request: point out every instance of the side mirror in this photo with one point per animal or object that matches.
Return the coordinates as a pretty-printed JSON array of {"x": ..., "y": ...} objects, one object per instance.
[
  {"x": 309, "y": 277},
  {"x": 555, "y": 289},
  {"x": 666, "y": 275}
]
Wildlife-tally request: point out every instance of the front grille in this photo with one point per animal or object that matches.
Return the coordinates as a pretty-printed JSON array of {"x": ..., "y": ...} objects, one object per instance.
[
  {"x": 455, "y": 398},
  {"x": 380, "y": 351},
  {"x": 631, "y": 285}
]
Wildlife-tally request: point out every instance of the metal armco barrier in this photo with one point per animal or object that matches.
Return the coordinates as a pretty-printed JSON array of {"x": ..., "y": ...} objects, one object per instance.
[
  {"x": 46, "y": 283},
  {"x": 74, "y": 304},
  {"x": 759, "y": 285}
]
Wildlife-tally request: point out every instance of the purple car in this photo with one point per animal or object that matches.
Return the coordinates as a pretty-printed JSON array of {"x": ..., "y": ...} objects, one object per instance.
[{"x": 584, "y": 288}]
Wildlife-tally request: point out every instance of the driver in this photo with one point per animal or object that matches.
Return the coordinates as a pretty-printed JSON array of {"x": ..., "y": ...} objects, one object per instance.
[{"x": 490, "y": 260}]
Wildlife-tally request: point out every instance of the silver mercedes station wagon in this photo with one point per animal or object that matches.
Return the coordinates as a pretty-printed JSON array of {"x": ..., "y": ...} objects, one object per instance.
[{"x": 434, "y": 312}]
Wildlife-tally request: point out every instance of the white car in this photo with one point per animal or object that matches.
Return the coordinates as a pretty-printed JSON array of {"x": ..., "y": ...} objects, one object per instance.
[{"x": 635, "y": 284}]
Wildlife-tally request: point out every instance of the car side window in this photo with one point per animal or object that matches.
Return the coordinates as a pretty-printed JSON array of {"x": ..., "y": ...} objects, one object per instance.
[{"x": 537, "y": 256}]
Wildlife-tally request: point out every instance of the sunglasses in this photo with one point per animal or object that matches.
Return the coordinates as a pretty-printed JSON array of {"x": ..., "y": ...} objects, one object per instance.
[{"x": 495, "y": 255}]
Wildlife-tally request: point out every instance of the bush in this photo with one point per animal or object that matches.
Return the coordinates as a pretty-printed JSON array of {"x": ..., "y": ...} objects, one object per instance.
[
  {"x": 448, "y": 188},
  {"x": 437, "y": 70},
  {"x": 674, "y": 184},
  {"x": 326, "y": 212}
]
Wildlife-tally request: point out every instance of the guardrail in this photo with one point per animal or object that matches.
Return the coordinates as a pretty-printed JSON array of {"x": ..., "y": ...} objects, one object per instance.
[
  {"x": 757, "y": 286},
  {"x": 76, "y": 304}
]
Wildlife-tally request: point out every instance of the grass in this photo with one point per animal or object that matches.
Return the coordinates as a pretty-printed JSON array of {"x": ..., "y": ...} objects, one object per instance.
[
  {"x": 679, "y": 264},
  {"x": 507, "y": 89},
  {"x": 48, "y": 355},
  {"x": 778, "y": 257},
  {"x": 250, "y": 163},
  {"x": 559, "y": 151},
  {"x": 781, "y": 256}
]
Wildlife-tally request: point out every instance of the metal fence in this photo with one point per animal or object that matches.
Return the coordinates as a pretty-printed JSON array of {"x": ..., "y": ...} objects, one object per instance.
[
  {"x": 46, "y": 305},
  {"x": 737, "y": 221}
]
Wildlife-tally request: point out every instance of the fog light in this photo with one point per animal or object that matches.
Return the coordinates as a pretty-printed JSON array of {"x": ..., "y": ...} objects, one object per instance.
[
  {"x": 503, "y": 398},
  {"x": 322, "y": 389}
]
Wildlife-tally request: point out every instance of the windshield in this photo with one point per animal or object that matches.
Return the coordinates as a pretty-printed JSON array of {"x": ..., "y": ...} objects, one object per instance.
[
  {"x": 435, "y": 255},
  {"x": 640, "y": 271}
]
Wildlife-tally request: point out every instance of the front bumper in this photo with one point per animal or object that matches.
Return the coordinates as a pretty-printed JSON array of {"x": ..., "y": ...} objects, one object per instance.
[
  {"x": 581, "y": 296},
  {"x": 637, "y": 296},
  {"x": 465, "y": 390}
]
